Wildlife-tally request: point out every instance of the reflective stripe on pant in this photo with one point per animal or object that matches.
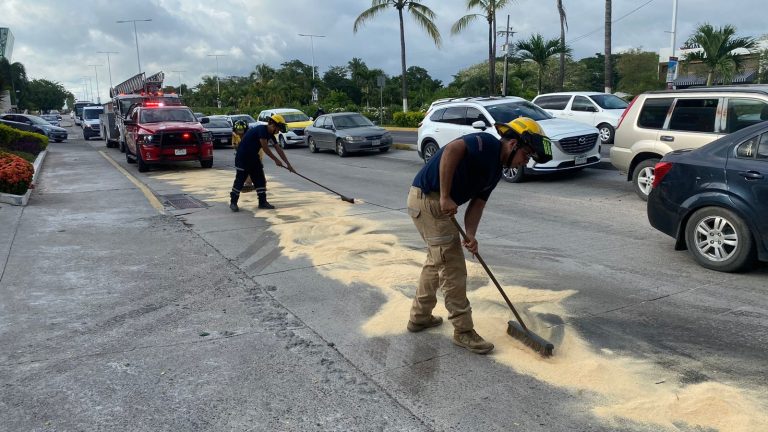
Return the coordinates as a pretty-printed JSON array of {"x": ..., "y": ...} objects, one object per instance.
[{"x": 444, "y": 267}]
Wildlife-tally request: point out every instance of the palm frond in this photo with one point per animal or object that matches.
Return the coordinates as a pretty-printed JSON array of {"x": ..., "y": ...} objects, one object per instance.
[
  {"x": 369, "y": 14},
  {"x": 463, "y": 22},
  {"x": 428, "y": 25}
]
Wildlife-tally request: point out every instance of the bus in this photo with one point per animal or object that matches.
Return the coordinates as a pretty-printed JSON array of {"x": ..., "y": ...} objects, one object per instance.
[{"x": 77, "y": 111}]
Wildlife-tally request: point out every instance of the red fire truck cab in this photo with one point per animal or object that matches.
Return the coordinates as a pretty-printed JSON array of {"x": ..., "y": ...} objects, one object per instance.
[{"x": 159, "y": 131}]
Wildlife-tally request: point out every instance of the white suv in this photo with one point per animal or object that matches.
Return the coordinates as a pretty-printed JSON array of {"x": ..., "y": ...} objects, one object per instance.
[
  {"x": 575, "y": 144},
  {"x": 601, "y": 110}
]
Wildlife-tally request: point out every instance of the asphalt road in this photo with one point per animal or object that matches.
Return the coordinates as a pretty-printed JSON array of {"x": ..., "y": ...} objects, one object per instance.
[{"x": 645, "y": 338}]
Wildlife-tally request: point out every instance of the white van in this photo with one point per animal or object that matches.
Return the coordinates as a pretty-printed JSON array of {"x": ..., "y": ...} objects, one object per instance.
[
  {"x": 601, "y": 110},
  {"x": 91, "y": 123}
]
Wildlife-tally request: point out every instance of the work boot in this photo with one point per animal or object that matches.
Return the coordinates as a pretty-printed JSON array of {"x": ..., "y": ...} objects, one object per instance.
[
  {"x": 263, "y": 204},
  {"x": 432, "y": 322},
  {"x": 233, "y": 202},
  {"x": 472, "y": 341}
]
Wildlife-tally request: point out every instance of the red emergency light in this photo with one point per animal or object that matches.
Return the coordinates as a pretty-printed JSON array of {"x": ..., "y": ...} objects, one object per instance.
[{"x": 185, "y": 135}]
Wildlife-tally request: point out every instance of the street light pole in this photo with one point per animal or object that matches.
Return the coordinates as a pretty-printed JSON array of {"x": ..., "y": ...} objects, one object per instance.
[
  {"x": 218, "y": 88},
  {"x": 179, "y": 72},
  {"x": 98, "y": 92},
  {"x": 109, "y": 65},
  {"x": 88, "y": 94},
  {"x": 312, "y": 44},
  {"x": 136, "y": 36}
]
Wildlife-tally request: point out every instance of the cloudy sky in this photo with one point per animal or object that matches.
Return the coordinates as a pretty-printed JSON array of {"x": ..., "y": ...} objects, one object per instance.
[{"x": 58, "y": 39}]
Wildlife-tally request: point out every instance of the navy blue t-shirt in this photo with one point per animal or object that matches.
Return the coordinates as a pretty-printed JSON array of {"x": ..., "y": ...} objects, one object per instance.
[
  {"x": 248, "y": 149},
  {"x": 476, "y": 174}
]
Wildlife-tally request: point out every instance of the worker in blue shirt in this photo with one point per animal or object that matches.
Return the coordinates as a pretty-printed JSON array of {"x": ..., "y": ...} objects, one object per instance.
[{"x": 466, "y": 170}]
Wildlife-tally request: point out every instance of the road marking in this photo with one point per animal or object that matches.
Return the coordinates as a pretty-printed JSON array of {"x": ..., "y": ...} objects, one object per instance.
[{"x": 142, "y": 187}]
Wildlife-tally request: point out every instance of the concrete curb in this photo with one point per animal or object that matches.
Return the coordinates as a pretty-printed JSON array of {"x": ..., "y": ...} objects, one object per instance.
[
  {"x": 22, "y": 200},
  {"x": 400, "y": 129}
]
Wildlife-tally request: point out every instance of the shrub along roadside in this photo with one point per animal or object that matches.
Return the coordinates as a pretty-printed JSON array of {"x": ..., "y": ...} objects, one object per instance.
[
  {"x": 15, "y": 174},
  {"x": 408, "y": 119},
  {"x": 21, "y": 141}
]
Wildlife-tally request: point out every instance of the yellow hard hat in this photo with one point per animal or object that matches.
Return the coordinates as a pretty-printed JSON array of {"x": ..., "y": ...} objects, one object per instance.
[
  {"x": 528, "y": 132},
  {"x": 279, "y": 121}
]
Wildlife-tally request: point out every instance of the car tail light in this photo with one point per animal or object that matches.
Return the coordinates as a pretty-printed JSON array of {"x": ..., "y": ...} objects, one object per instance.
[
  {"x": 659, "y": 171},
  {"x": 626, "y": 110}
]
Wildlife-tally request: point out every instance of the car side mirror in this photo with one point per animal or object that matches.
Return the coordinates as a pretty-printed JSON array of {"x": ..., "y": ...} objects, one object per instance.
[
  {"x": 479, "y": 124},
  {"x": 205, "y": 120}
]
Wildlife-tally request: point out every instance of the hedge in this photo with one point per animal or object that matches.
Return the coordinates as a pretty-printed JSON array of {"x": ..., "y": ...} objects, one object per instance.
[
  {"x": 408, "y": 119},
  {"x": 12, "y": 139},
  {"x": 15, "y": 174}
]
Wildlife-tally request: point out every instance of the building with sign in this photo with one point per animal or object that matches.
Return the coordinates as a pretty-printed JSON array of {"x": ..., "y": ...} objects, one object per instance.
[{"x": 6, "y": 43}]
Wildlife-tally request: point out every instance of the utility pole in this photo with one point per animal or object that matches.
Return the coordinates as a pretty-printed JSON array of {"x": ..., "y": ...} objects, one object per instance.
[
  {"x": 672, "y": 73},
  {"x": 109, "y": 65},
  {"x": 506, "y": 33},
  {"x": 218, "y": 88},
  {"x": 179, "y": 72},
  {"x": 136, "y": 36},
  {"x": 98, "y": 92}
]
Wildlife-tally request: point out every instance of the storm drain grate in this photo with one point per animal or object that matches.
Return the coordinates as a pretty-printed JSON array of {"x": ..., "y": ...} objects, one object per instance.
[{"x": 181, "y": 201}]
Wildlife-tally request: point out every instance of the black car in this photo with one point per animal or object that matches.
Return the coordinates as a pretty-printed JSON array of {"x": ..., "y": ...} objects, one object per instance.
[
  {"x": 220, "y": 129},
  {"x": 714, "y": 200}
]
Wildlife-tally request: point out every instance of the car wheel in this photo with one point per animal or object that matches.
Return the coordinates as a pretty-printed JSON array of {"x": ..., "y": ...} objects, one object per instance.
[
  {"x": 281, "y": 141},
  {"x": 513, "y": 175},
  {"x": 86, "y": 137},
  {"x": 430, "y": 148},
  {"x": 58, "y": 140},
  {"x": 606, "y": 133},
  {"x": 206, "y": 163},
  {"x": 340, "y": 149},
  {"x": 642, "y": 177},
  {"x": 128, "y": 157},
  {"x": 384, "y": 149},
  {"x": 311, "y": 144},
  {"x": 121, "y": 146},
  {"x": 719, "y": 240},
  {"x": 143, "y": 167}
]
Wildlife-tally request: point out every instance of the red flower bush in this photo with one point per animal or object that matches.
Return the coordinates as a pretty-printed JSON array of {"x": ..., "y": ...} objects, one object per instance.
[{"x": 15, "y": 174}]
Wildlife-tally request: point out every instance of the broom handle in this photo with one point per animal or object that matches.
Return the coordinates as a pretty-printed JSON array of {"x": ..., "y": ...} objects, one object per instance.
[{"x": 490, "y": 274}]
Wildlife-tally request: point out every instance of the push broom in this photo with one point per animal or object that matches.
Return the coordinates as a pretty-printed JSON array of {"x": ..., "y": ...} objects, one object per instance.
[{"x": 517, "y": 330}]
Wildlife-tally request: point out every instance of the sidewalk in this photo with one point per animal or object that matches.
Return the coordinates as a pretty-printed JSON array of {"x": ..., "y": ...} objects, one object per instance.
[{"x": 116, "y": 317}]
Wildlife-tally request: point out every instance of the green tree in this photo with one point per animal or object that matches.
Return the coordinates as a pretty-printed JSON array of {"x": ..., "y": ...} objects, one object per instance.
[
  {"x": 638, "y": 71},
  {"x": 45, "y": 95},
  {"x": 717, "y": 50},
  {"x": 489, "y": 8},
  {"x": 13, "y": 77},
  {"x": 424, "y": 18},
  {"x": 539, "y": 51}
]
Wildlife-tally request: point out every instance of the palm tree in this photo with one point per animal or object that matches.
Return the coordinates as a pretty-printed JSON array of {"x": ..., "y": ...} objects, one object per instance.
[
  {"x": 563, "y": 27},
  {"x": 489, "y": 8},
  {"x": 539, "y": 51},
  {"x": 608, "y": 65},
  {"x": 424, "y": 18},
  {"x": 717, "y": 49}
]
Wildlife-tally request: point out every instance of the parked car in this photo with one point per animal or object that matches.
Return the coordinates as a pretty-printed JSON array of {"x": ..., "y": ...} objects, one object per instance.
[
  {"x": 244, "y": 117},
  {"x": 575, "y": 145},
  {"x": 296, "y": 121},
  {"x": 714, "y": 200},
  {"x": 55, "y": 133},
  {"x": 601, "y": 110},
  {"x": 346, "y": 133},
  {"x": 657, "y": 123},
  {"x": 160, "y": 133},
  {"x": 52, "y": 119},
  {"x": 91, "y": 123},
  {"x": 199, "y": 116},
  {"x": 22, "y": 126},
  {"x": 220, "y": 129}
]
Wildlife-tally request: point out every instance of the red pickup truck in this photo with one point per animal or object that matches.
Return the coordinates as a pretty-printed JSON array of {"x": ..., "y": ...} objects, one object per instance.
[{"x": 157, "y": 133}]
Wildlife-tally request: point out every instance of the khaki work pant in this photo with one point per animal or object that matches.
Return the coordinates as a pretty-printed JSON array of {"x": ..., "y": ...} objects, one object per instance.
[{"x": 444, "y": 268}]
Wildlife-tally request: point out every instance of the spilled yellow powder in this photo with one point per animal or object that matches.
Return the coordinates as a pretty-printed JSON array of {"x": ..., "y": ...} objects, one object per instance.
[{"x": 360, "y": 250}]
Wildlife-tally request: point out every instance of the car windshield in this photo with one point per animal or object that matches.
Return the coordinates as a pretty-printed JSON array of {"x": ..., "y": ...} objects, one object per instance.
[
  {"x": 49, "y": 117},
  {"x": 218, "y": 123},
  {"x": 167, "y": 115},
  {"x": 295, "y": 117},
  {"x": 92, "y": 114},
  {"x": 351, "y": 121},
  {"x": 244, "y": 117},
  {"x": 506, "y": 112},
  {"x": 609, "y": 101},
  {"x": 38, "y": 120}
]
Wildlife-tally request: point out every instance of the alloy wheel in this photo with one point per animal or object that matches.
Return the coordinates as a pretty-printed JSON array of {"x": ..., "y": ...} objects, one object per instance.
[{"x": 716, "y": 238}]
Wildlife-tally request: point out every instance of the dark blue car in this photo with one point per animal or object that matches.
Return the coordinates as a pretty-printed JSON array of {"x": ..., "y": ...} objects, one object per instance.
[{"x": 714, "y": 200}]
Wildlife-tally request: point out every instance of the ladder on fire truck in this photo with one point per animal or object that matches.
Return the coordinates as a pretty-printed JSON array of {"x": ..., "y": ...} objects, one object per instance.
[{"x": 139, "y": 84}]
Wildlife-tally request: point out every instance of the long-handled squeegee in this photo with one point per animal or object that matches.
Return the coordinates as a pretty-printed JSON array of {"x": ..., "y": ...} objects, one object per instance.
[
  {"x": 517, "y": 330},
  {"x": 343, "y": 198}
]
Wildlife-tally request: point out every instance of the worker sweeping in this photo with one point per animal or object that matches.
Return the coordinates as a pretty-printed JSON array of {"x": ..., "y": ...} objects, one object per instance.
[
  {"x": 248, "y": 162},
  {"x": 466, "y": 170}
]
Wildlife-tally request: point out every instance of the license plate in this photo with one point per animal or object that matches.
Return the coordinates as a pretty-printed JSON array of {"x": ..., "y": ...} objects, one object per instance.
[
  {"x": 224, "y": 140},
  {"x": 180, "y": 152},
  {"x": 375, "y": 142},
  {"x": 580, "y": 160}
]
